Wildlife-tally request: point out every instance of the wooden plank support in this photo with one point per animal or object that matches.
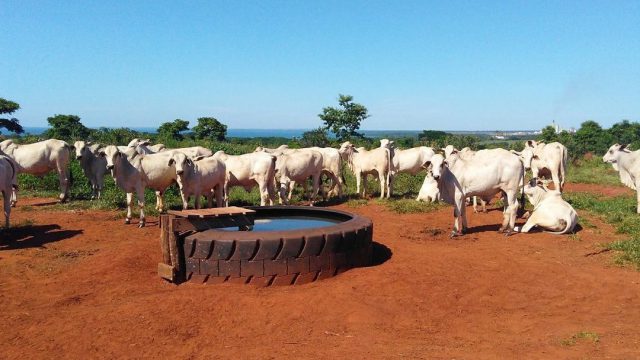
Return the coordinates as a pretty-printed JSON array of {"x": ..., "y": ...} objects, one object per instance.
[
  {"x": 164, "y": 239},
  {"x": 167, "y": 272},
  {"x": 198, "y": 224}
]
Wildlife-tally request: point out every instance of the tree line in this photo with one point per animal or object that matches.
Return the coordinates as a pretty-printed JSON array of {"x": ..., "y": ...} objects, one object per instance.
[{"x": 340, "y": 124}]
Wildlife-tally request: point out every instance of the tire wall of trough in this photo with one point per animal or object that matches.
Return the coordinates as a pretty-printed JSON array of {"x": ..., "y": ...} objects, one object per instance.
[{"x": 265, "y": 258}]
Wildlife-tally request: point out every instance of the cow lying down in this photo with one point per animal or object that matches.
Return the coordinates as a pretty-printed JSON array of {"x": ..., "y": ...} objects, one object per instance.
[
  {"x": 429, "y": 191},
  {"x": 550, "y": 211}
]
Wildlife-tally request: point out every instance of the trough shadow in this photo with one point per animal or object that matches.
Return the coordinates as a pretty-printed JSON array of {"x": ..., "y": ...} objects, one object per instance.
[
  {"x": 33, "y": 236},
  {"x": 380, "y": 254}
]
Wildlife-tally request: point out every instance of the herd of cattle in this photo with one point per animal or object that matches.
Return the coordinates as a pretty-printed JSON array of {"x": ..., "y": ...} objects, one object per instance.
[{"x": 453, "y": 175}]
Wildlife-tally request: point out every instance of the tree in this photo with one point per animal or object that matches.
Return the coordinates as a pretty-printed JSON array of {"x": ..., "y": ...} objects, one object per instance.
[
  {"x": 592, "y": 138},
  {"x": 172, "y": 130},
  {"x": 9, "y": 107},
  {"x": 344, "y": 121},
  {"x": 67, "y": 128},
  {"x": 548, "y": 134},
  {"x": 122, "y": 136},
  {"x": 625, "y": 132},
  {"x": 210, "y": 128},
  {"x": 317, "y": 137}
]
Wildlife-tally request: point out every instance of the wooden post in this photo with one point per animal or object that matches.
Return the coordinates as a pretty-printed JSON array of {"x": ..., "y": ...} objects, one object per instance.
[{"x": 164, "y": 240}]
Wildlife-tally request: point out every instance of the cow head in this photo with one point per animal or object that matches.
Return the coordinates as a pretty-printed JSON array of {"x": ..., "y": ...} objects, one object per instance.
[
  {"x": 80, "y": 146},
  {"x": 530, "y": 144},
  {"x": 448, "y": 150},
  {"x": 111, "y": 154},
  {"x": 181, "y": 162},
  {"x": 386, "y": 143},
  {"x": 436, "y": 166},
  {"x": 527, "y": 156},
  {"x": 612, "y": 155},
  {"x": 535, "y": 191}
]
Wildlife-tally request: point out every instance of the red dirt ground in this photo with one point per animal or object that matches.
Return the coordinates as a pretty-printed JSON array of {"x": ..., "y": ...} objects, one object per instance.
[{"x": 81, "y": 284}]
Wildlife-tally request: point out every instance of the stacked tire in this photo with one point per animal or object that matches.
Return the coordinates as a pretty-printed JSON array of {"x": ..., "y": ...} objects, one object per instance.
[{"x": 288, "y": 257}]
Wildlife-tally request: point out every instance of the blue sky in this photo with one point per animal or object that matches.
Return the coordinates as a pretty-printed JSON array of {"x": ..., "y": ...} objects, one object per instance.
[{"x": 447, "y": 65}]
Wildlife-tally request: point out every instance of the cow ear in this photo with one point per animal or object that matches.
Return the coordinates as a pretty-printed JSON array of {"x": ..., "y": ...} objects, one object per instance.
[
  {"x": 198, "y": 158},
  {"x": 426, "y": 165},
  {"x": 189, "y": 162},
  {"x": 530, "y": 143},
  {"x": 535, "y": 157},
  {"x": 623, "y": 146},
  {"x": 454, "y": 151},
  {"x": 533, "y": 182},
  {"x": 171, "y": 162},
  {"x": 102, "y": 154},
  {"x": 540, "y": 183}
]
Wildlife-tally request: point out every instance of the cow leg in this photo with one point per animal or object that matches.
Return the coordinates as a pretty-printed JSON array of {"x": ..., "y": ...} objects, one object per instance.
[
  {"x": 316, "y": 188},
  {"x": 292, "y": 185},
  {"x": 390, "y": 185},
  {"x": 219, "y": 195},
  {"x": 140, "y": 193},
  {"x": 556, "y": 181},
  {"x": 7, "y": 208},
  {"x": 127, "y": 220},
  {"x": 226, "y": 194},
  {"x": 160, "y": 201},
  {"x": 475, "y": 204},
  {"x": 509, "y": 216},
  {"x": 358, "y": 181},
  {"x": 531, "y": 222},
  {"x": 63, "y": 175},
  {"x": 185, "y": 199},
  {"x": 383, "y": 184},
  {"x": 263, "y": 185},
  {"x": 196, "y": 201},
  {"x": 638, "y": 197},
  {"x": 14, "y": 197}
]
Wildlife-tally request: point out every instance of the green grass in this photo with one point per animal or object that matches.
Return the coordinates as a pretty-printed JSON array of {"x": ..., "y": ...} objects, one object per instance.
[
  {"x": 619, "y": 211},
  {"x": 593, "y": 171},
  {"x": 582, "y": 335},
  {"x": 408, "y": 206}
]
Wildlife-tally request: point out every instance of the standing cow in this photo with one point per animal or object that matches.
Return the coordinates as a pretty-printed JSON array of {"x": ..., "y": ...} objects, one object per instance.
[
  {"x": 544, "y": 159},
  {"x": 627, "y": 163},
  {"x": 200, "y": 176},
  {"x": 39, "y": 159},
  {"x": 8, "y": 184},
  {"x": 93, "y": 165},
  {"x": 249, "y": 170},
  {"x": 363, "y": 163},
  {"x": 484, "y": 174},
  {"x": 410, "y": 161}
]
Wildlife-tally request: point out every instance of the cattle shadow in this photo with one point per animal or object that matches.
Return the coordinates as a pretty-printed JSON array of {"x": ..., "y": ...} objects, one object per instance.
[
  {"x": 44, "y": 203},
  {"x": 495, "y": 227},
  {"x": 33, "y": 236}
]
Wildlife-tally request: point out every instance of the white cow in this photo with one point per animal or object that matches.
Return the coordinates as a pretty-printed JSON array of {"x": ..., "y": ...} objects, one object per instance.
[
  {"x": 93, "y": 165},
  {"x": 249, "y": 170},
  {"x": 429, "y": 191},
  {"x": 627, "y": 163},
  {"x": 550, "y": 211},
  {"x": 296, "y": 167},
  {"x": 200, "y": 176},
  {"x": 144, "y": 147},
  {"x": 466, "y": 152},
  {"x": 544, "y": 158},
  {"x": 409, "y": 161},
  {"x": 363, "y": 162},
  {"x": 39, "y": 159},
  {"x": 331, "y": 165},
  {"x": 134, "y": 172},
  {"x": 484, "y": 174},
  {"x": 8, "y": 184}
]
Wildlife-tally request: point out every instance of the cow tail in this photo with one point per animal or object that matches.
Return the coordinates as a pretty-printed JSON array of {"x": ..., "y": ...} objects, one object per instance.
[
  {"x": 70, "y": 150},
  {"x": 563, "y": 168},
  {"x": 390, "y": 168}
]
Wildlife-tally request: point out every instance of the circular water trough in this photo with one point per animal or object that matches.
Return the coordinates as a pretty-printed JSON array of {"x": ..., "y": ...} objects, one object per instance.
[{"x": 314, "y": 244}]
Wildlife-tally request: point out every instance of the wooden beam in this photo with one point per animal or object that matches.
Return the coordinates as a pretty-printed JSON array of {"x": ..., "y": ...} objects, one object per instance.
[
  {"x": 164, "y": 239},
  {"x": 166, "y": 271},
  {"x": 195, "y": 224}
]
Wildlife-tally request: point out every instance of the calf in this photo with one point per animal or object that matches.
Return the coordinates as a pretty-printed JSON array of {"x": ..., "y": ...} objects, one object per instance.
[
  {"x": 249, "y": 170},
  {"x": 8, "y": 184},
  {"x": 93, "y": 165},
  {"x": 429, "y": 190},
  {"x": 200, "y": 176},
  {"x": 550, "y": 211}
]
